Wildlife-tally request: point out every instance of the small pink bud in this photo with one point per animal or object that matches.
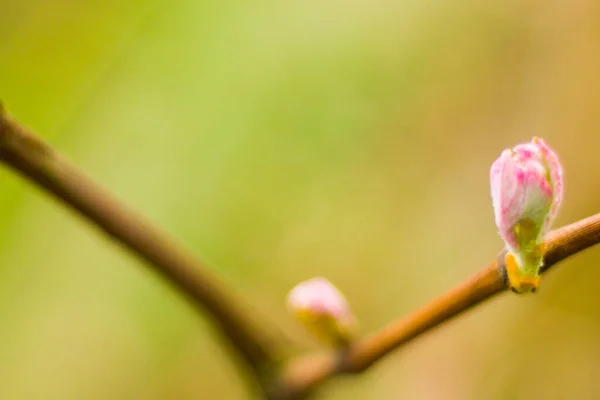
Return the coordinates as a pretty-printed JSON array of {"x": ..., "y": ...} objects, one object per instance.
[
  {"x": 323, "y": 310},
  {"x": 526, "y": 188}
]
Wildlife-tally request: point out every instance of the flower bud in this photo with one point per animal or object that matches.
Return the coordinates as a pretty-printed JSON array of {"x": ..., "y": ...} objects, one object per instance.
[
  {"x": 323, "y": 310},
  {"x": 526, "y": 188}
]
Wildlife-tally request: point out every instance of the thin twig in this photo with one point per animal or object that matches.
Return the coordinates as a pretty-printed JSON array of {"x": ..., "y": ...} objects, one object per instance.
[
  {"x": 30, "y": 156},
  {"x": 302, "y": 376}
]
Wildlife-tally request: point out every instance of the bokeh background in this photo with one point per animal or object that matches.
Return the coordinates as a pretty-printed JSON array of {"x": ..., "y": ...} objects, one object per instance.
[{"x": 281, "y": 140}]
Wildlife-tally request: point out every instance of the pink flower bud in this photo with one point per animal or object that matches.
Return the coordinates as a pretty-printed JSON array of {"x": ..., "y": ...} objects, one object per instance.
[
  {"x": 323, "y": 310},
  {"x": 526, "y": 188}
]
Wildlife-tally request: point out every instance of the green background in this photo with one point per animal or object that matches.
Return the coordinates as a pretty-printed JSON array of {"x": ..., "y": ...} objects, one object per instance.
[{"x": 281, "y": 140}]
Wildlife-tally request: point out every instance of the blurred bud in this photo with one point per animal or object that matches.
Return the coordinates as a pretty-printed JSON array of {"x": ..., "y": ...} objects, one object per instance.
[
  {"x": 526, "y": 187},
  {"x": 323, "y": 310}
]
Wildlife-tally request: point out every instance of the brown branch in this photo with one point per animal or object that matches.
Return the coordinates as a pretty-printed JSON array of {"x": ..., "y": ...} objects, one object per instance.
[
  {"x": 30, "y": 156},
  {"x": 34, "y": 159},
  {"x": 303, "y": 375}
]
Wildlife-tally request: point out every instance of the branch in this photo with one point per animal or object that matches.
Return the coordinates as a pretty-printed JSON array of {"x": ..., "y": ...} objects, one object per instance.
[
  {"x": 31, "y": 157},
  {"x": 37, "y": 161},
  {"x": 303, "y": 375}
]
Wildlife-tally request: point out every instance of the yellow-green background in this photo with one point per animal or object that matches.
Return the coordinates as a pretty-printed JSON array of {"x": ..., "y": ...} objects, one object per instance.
[{"x": 282, "y": 140}]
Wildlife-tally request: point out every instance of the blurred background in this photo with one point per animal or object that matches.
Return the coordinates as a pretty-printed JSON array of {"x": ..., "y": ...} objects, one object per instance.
[{"x": 282, "y": 140}]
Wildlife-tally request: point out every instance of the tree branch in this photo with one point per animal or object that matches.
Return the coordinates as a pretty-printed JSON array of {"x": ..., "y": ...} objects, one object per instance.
[
  {"x": 37, "y": 161},
  {"x": 303, "y": 375},
  {"x": 31, "y": 157}
]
